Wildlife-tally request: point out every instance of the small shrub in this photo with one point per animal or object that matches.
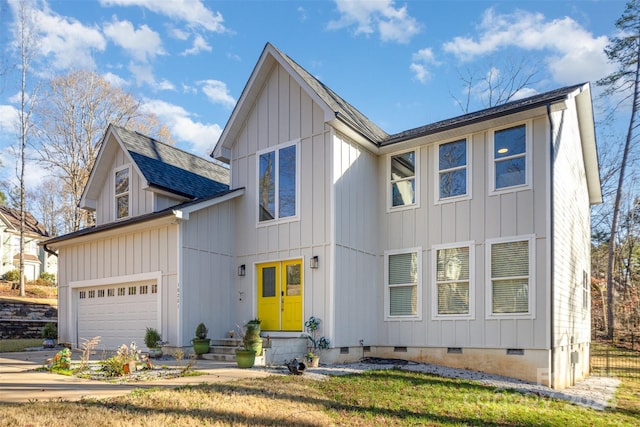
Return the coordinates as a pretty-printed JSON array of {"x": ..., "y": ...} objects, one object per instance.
[
  {"x": 12, "y": 275},
  {"x": 48, "y": 277},
  {"x": 152, "y": 338},
  {"x": 201, "y": 331},
  {"x": 50, "y": 331},
  {"x": 61, "y": 361},
  {"x": 113, "y": 366}
]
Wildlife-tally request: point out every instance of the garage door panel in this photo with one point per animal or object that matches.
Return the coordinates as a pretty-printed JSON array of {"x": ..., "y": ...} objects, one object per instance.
[{"x": 118, "y": 314}]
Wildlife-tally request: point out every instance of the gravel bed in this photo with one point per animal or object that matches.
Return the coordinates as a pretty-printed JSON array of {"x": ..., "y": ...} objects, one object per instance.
[{"x": 594, "y": 392}]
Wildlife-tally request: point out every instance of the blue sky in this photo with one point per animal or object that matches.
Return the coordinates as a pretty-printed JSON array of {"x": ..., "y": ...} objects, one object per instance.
[{"x": 398, "y": 62}]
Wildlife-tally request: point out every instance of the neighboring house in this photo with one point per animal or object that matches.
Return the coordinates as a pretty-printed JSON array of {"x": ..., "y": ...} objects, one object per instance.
[
  {"x": 465, "y": 242},
  {"x": 36, "y": 259}
]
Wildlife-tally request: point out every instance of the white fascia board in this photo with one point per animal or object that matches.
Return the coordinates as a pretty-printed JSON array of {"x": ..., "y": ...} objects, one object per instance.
[{"x": 183, "y": 214}]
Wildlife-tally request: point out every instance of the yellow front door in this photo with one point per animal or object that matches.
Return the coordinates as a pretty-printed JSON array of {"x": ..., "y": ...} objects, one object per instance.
[{"x": 280, "y": 295}]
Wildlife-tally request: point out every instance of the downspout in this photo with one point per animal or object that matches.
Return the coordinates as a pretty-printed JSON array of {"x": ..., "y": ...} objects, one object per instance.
[
  {"x": 49, "y": 251},
  {"x": 551, "y": 242}
]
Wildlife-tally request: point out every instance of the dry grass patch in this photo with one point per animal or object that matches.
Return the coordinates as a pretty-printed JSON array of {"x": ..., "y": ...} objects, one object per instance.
[{"x": 273, "y": 401}]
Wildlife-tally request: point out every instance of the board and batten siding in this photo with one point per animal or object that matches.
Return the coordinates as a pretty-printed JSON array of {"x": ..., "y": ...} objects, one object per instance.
[
  {"x": 127, "y": 254},
  {"x": 355, "y": 198},
  {"x": 571, "y": 246},
  {"x": 519, "y": 213},
  {"x": 207, "y": 271},
  {"x": 140, "y": 201},
  {"x": 283, "y": 113}
]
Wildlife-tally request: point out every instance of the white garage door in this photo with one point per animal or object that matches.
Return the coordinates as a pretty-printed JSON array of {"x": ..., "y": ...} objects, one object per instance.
[{"x": 118, "y": 314}]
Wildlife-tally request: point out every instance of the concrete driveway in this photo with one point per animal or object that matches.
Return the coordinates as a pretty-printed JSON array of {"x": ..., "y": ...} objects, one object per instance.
[{"x": 20, "y": 382}]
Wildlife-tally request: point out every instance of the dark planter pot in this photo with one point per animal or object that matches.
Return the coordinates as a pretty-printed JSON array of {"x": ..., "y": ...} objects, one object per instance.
[
  {"x": 48, "y": 343},
  {"x": 245, "y": 358},
  {"x": 201, "y": 346},
  {"x": 155, "y": 353}
]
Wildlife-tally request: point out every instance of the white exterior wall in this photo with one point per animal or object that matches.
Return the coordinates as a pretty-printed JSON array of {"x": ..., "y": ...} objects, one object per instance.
[
  {"x": 140, "y": 201},
  {"x": 484, "y": 216},
  {"x": 355, "y": 198},
  {"x": 284, "y": 113},
  {"x": 572, "y": 246},
  {"x": 148, "y": 250},
  {"x": 207, "y": 272}
]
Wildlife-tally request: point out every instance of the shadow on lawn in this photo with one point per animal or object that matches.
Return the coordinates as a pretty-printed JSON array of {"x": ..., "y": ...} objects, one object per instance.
[{"x": 281, "y": 394}]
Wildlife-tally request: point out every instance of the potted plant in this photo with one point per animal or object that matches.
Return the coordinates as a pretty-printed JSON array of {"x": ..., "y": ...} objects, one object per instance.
[
  {"x": 246, "y": 356},
  {"x": 153, "y": 340},
  {"x": 49, "y": 335},
  {"x": 251, "y": 338},
  {"x": 201, "y": 343},
  {"x": 315, "y": 344}
]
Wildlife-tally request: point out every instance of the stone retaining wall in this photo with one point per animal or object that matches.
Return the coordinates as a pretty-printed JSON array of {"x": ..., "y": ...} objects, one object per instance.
[{"x": 25, "y": 320}]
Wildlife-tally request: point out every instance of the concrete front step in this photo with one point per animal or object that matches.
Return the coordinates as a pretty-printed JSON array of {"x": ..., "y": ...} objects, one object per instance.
[
  {"x": 224, "y": 350},
  {"x": 231, "y": 358}
]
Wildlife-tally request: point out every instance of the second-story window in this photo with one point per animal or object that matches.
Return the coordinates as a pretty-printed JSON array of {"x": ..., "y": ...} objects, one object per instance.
[
  {"x": 452, "y": 169},
  {"x": 403, "y": 179},
  {"x": 510, "y": 157},
  {"x": 122, "y": 192},
  {"x": 278, "y": 183}
]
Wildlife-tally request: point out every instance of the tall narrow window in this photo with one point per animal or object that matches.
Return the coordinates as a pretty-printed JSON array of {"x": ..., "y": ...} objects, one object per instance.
[
  {"x": 586, "y": 291},
  {"x": 453, "y": 281},
  {"x": 509, "y": 154},
  {"x": 277, "y": 183},
  {"x": 403, "y": 278},
  {"x": 510, "y": 272},
  {"x": 122, "y": 193},
  {"x": 452, "y": 169},
  {"x": 403, "y": 179}
]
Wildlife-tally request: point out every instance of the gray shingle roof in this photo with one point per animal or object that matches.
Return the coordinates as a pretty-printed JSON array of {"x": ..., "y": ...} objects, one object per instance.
[
  {"x": 11, "y": 217},
  {"x": 169, "y": 168}
]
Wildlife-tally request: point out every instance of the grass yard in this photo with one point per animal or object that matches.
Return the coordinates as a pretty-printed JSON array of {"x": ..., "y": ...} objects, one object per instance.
[
  {"x": 383, "y": 397},
  {"x": 12, "y": 345}
]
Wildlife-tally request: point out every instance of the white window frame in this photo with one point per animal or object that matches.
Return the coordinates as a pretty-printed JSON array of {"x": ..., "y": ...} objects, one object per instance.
[
  {"x": 127, "y": 193},
  {"x": 276, "y": 149},
  {"x": 387, "y": 299},
  {"x": 416, "y": 178},
  {"x": 527, "y": 159},
  {"x": 532, "y": 278},
  {"x": 467, "y": 195},
  {"x": 434, "y": 279},
  {"x": 586, "y": 293}
]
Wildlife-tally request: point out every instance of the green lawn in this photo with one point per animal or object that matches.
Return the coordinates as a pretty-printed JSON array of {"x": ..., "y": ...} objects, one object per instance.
[
  {"x": 19, "y": 344},
  {"x": 383, "y": 397}
]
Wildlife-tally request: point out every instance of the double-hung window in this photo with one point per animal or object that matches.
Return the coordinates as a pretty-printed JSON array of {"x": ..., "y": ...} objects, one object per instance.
[
  {"x": 403, "y": 277},
  {"x": 452, "y": 169},
  {"x": 453, "y": 285},
  {"x": 511, "y": 276},
  {"x": 510, "y": 158},
  {"x": 278, "y": 183},
  {"x": 121, "y": 185},
  {"x": 403, "y": 170}
]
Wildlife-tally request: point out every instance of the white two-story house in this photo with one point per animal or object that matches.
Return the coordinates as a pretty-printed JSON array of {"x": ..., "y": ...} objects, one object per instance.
[{"x": 463, "y": 242}]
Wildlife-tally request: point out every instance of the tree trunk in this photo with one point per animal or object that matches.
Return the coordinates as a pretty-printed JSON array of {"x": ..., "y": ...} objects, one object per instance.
[{"x": 618, "y": 201}]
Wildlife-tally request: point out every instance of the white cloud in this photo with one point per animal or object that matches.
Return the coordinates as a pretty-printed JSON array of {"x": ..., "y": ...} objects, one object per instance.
[
  {"x": 177, "y": 33},
  {"x": 574, "y": 54},
  {"x": 8, "y": 118},
  {"x": 165, "y": 85},
  {"x": 67, "y": 41},
  {"x": 199, "y": 45},
  {"x": 217, "y": 92},
  {"x": 115, "y": 80},
  {"x": 143, "y": 73},
  {"x": 419, "y": 63},
  {"x": 194, "y": 12},
  {"x": 201, "y": 137},
  {"x": 142, "y": 44},
  {"x": 393, "y": 24}
]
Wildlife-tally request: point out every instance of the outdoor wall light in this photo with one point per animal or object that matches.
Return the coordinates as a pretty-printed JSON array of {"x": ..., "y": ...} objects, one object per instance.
[
  {"x": 313, "y": 262},
  {"x": 241, "y": 270}
]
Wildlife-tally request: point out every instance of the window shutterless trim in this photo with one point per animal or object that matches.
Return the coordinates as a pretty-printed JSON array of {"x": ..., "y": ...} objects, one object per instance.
[
  {"x": 118, "y": 195},
  {"x": 416, "y": 180},
  {"x": 276, "y": 150},
  {"x": 531, "y": 286},
  {"x": 468, "y": 166},
  {"x": 434, "y": 281},
  {"x": 528, "y": 152},
  {"x": 387, "y": 298}
]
